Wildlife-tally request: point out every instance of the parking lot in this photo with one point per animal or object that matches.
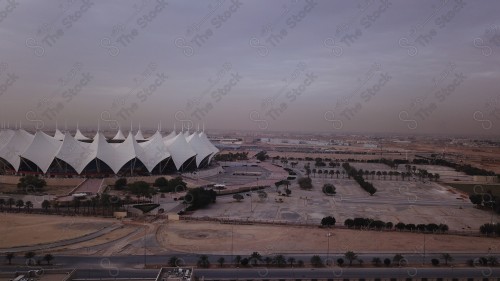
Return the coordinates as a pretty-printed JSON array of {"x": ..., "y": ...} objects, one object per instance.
[{"x": 395, "y": 201}]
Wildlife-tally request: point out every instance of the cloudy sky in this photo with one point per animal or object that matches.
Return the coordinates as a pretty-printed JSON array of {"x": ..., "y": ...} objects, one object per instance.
[{"x": 408, "y": 66}]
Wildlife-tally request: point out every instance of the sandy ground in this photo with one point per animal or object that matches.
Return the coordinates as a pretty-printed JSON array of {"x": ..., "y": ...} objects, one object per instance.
[
  {"x": 163, "y": 237},
  {"x": 214, "y": 238},
  {"x": 29, "y": 229}
]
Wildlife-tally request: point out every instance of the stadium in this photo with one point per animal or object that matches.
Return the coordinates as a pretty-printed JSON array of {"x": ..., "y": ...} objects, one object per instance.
[{"x": 66, "y": 155}]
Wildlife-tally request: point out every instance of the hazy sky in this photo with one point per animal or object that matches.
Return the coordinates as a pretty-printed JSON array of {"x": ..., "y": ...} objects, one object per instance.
[{"x": 364, "y": 66}]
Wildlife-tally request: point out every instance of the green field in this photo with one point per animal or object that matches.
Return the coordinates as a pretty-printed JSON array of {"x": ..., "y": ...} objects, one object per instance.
[{"x": 477, "y": 188}]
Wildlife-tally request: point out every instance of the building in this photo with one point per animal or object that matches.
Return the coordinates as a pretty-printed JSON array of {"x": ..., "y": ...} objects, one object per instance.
[{"x": 63, "y": 154}]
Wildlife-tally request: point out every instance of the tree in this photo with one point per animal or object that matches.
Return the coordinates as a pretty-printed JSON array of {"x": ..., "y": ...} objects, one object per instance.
[
  {"x": 237, "y": 260},
  {"x": 19, "y": 204},
  {"x": 203, "y": 261},
  {"x": 9, "y": 256},
  {"x": 350, "y": 256},
  {"x": 198, "y": 197},
  {"x": 476, "y": 199},
  {"x": 340, "y": 261},
  {"x": 29, "y": 257},
  {"x": 262, "y": 156},
  {"x": 28, "y": 205},
  {"x": 221, "y": 261},
  {"x": 31, "y": 183},
  {"x": 268, "y": 260},
  {"x": 288, "y": 192},
  {"x": 328, "y": 221},
  {"x": 120, "y": 183},
  {"x": 48, "y": 258},
  {"x": 2, "y": 203},
  {"x": 141, "y": 189},
  {"x": 387, "y": 261},
  {"x": 238, "y": 197},
  {"x": 316, "y": 261},
  {"x": 161, "y": 182},
  {"x": 305, "y": 183},
  {"x": 255, "y": 257},
  {"x": 446, "y": 257},
  {"x": 279, "y": 260},
  {"x": 329, "y": 189},
  {"x": 174, "y": 261},
  {"x": 397, "y": 259},
  {"x": 435, "y": 262},
  {"x": 376, "y": 261},
  {"x": 46, "y": 204},
  {"x": 291, "y": 260}
]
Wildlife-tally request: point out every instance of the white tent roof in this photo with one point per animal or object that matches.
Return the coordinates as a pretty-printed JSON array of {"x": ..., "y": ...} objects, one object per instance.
[
  {"x": 125, "y": 152},
  {"x": 201, "y": 149},
  {"x": 79, "y": 136},
  {"x": 209, "y": 144},
  {"x": 16, "y": 145},
  {"x": 42, "y": 150},
  {"x": 74, "y": 153},
  {"x": 58, "y": 135},
  {"x": 154, "y": 151},
  {"x": 139, "y": 136},
  {"x": 5, "y": 137},
  {"x": 103, "y": 151},
  {"x": 179, "y": 149},
  {"x": 119, "y": 135},
  {"x": 170, "y": 136},
  {"x": 153, "y": 136}
]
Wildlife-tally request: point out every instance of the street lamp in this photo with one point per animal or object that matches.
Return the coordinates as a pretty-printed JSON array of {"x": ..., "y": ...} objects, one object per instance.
[{"x": 328, "y": 250}]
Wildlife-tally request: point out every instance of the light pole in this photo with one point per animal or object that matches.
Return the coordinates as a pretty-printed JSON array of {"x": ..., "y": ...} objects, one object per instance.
[{"x": 328, "y": 249}]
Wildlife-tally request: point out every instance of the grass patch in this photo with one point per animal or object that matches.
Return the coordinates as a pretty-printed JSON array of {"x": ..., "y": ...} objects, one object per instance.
[
  {"x": 146, "y": 208},
  {"x": 477, "y": 188}
]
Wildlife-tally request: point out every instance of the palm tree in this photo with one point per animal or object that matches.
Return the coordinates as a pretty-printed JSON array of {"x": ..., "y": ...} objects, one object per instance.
[
  {"x": 221, "y": 261},
  {"x": 255, "y": 257},
  {"x": 379, "y": 174},
  {"x": 436, "y": 177},
  {"x": 237, "y": 259},
  {"x": 391, "y": 173},
  {"x": 343, "y": 173},
  {"x": 373, "y": 174},
  {"x": 337, "y": 173},
  {"x": 291, "y": 260},
  {"x": 446, "y": 257},
  {"x": 46, "y": 205},
  {"x": 2, "y": 203},
  {"x": 384, "y": 173},
  {"x": 28, "y": 205},
  {"x": 331, "y": 172},
  {"x": 279, "y": 260},
  {"x": 320, "y": 172},
  {"x": 376, "y": 261},
  {"x": 314, "y": 172},
  {"x": 9, "y": 256},
  {"x": 350, "y": 256},
  {"x": 11, "y": 202},
  {"x": 48, "y": 258},
  {"x": 29, "y": 257},
  {"x": 203, "y": 261},
  {"x": 397, "y": 174},
  {"x": 19, "y": 204}
]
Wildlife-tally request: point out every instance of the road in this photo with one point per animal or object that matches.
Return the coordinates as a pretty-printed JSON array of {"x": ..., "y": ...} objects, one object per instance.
[{"x": 105, "y": 267}]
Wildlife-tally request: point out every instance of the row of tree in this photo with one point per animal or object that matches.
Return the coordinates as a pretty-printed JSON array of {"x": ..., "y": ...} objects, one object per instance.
[
  {"x": 231, "y": 156},
  {"x": 366, "y": 223},
  {"x": 349, "y": 257},
  {"x": 352, "y": 172},
  {"x": 19, "y": 204},
  {"x": 31, "y": 258},
  {"x": 490, "y": 229}
]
